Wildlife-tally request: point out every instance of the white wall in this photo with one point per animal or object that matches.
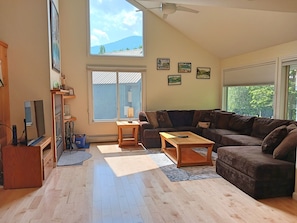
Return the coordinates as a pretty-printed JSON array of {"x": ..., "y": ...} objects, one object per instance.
[
  {"x": 23, "y": 26},
  {"x": 267, "y": 54},
  {"x": 161, "y": 41}
]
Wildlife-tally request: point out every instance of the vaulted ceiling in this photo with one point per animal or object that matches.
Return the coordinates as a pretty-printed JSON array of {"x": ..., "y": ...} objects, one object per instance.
[{"x": 228, "y": 28}]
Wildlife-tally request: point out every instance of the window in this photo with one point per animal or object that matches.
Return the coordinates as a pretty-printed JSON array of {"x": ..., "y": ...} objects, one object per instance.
[
  {"x": 116, "y": 28},
  {"x": 250, "y": 90},
  {"x": 115, "y": 93},
  {"x": 254, "y": 100},
  {"x": 291, "y": 92}
]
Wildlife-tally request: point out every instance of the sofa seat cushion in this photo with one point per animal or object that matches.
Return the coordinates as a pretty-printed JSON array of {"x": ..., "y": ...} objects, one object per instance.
[
  {"x": 216, "y": 134},
  {"x": 251, "y": 161},
  {"x": 240, "y": 140}
]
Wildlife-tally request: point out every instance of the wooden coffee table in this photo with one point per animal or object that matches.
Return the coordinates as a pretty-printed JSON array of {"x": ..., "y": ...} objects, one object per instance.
[{"x": 182, "y": 153}]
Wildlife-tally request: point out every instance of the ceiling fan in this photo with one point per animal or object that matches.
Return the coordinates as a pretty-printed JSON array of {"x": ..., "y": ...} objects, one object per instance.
[{"x": 170, "y": 8}]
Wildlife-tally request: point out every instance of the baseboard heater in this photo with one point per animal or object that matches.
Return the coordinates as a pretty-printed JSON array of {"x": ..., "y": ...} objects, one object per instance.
[{"x": 102, "y": 138}]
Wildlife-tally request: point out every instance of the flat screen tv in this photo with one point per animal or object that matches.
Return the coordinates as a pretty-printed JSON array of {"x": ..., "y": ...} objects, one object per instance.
[{"x": 34, "y": 122}]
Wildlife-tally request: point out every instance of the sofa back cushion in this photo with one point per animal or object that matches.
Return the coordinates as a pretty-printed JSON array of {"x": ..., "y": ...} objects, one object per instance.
[
  {"x": 242, "y": 124},
  {"x": 202, "y": 116},
  {"x": 142, "y": 116},
  {"x": 263, "y": 126},
  {"x": 222, "y": 119},
  {"x": 163, "y": 119},
  {"x": 151, "y": 117},
  {"x": 181, "y": 117}
]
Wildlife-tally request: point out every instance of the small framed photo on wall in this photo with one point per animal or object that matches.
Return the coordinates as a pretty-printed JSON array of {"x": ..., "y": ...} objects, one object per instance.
[
  {"x": 174, "y": 79},
  {"x": 203, "y": 73},
  {"x": 184, "y": 67},
  {"x": 163, "y": 64}
]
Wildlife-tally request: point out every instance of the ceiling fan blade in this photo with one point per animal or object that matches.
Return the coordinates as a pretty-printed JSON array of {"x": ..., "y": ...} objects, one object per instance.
[
  {"x": 148, "y": 9},
  {"x": 181, "y": 8}
]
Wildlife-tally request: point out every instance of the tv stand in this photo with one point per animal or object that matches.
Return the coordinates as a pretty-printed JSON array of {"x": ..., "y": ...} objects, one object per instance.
[{"x": 27, "y": 166}]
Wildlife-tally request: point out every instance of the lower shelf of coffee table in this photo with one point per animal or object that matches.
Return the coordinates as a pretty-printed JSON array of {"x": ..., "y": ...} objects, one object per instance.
[{"x": 188, "y": 157}]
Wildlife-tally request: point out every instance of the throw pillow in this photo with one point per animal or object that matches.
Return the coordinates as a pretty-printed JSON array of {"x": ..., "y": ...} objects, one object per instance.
[
  {"x": 286, "y": 146},
  {"x": 201, "y": 115},
  {"x": 204, "y": 125},
  {"x": 274, "y": 138},
  {"x": 163, "y": 119},
  {"x": 152, "y": 118},
  {"x": 291, "y": 127}
]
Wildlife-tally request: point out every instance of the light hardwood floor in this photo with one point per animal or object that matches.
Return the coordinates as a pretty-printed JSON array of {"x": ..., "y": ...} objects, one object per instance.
[{"x": 127, "y": 186}]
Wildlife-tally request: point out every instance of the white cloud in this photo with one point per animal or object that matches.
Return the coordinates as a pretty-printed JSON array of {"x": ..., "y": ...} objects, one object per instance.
[
  {"x": 129, "y": 18},
  {"x": 99, "y": 37}
]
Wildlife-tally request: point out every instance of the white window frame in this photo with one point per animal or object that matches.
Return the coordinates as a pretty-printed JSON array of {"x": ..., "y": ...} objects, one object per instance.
[
  {"x": 91, "y": 68},
  {"x": 283, "y": 85}
]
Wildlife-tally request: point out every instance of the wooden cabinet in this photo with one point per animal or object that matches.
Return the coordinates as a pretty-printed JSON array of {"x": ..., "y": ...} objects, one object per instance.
[
  {"x": 59, "y": 137},
  {"x": 27, "y": 166},
  {"x": 5, "y": 132}
]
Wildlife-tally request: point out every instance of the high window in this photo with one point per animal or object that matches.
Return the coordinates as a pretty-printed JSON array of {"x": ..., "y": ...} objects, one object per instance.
[
  {"x": 116, "y": 28},
  {"x": 115, "y": 95}
]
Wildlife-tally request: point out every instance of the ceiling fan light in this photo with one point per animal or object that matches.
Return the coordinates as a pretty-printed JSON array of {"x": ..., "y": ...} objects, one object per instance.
[{"x": 168, "y": 8}]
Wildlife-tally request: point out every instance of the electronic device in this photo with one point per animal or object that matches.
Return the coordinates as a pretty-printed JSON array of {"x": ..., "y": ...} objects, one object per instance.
[
  {"x": 34, "y": 122},
  {"x": 14, "y": 135}
]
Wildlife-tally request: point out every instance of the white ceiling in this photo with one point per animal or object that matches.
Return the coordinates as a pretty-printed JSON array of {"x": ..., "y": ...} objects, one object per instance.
[{"x": 231, "y": 27}]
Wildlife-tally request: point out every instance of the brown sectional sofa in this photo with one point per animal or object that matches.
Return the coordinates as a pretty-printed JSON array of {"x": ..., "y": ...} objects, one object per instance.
[{"x": 245, "y": 146}]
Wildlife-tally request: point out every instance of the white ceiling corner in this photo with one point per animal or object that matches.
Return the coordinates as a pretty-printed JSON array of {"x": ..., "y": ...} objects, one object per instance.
[{"x": 232, "y": 27}]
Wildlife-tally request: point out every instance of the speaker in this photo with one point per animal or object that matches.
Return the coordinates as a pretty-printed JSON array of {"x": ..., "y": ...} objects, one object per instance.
[{"x": 14, "y": 135}]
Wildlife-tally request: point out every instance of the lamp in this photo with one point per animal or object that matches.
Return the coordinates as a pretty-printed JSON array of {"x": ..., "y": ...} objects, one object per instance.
[{"x": 130, "y": 114}]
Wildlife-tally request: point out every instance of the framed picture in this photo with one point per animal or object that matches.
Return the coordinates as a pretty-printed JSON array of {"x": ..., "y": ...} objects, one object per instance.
[
  {"x": 184, "y": 67},
  {"x": 174, "y": 79},
  {"x": 163, "y": 64},
  {"x": 203, "y": 73},
  {"x": 55, "y": 37}
]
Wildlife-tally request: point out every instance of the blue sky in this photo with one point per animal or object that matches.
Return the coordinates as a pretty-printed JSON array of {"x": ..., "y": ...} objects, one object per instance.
[{"x": 112, "y": 20}]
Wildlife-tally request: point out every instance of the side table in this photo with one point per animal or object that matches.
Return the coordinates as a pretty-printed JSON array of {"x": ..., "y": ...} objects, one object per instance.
[{"x": 126, "y": 125}]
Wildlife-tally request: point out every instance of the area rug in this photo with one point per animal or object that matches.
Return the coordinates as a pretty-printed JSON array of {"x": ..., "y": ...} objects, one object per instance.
[
  {"x": 175, "y": 174},
  {"x": 74, "y": 157}
]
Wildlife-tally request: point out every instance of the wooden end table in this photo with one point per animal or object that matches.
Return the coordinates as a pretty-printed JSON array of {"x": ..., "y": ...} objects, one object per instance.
[
  {"x": 127, "y": 125},
  {"x": 182, "y": 154}
]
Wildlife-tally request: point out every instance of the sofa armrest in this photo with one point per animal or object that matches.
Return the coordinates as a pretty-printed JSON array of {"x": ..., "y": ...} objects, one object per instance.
[
  {"x": 142, "y": 126},
  {"x": 145, "y": 125}
]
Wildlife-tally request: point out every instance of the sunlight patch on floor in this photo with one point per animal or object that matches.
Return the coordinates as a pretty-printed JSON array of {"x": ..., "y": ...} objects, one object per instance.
[
  {"x": 116, "y": 149},
  {"x": 126, "y": 165}
]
